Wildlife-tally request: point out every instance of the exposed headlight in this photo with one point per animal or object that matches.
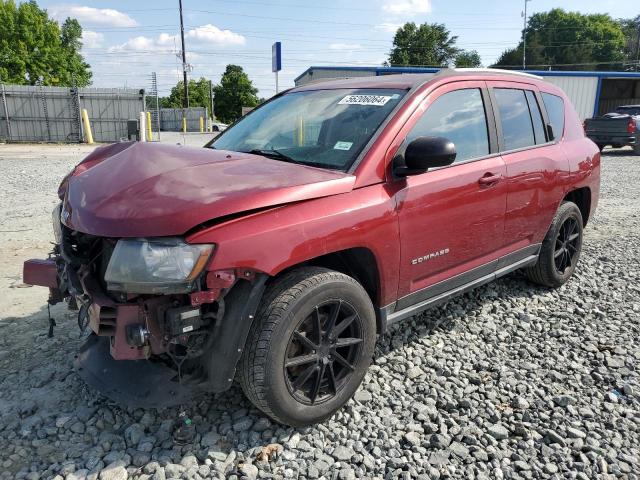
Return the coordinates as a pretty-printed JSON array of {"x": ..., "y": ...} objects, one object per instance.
[
  {"x": 158, "y": 265},
  {"x": 57, "y": 223}
]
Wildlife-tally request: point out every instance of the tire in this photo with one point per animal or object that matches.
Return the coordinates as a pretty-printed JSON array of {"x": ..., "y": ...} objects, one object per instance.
[
  {"x": 600, "y": 146},
  {"x": 636, "y": 148},
  {"x": 553, "y": 269},
  {"x": 283, "y": 331}
]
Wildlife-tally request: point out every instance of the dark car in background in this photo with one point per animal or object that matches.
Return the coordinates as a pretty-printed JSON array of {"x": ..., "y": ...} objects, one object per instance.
[{"x": 617, "y": 129}]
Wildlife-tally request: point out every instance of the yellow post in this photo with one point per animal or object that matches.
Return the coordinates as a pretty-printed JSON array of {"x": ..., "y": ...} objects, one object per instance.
[
  {"x": 184, "y": 125},
  {"x": 300, "y": 132},
  {"x": 88, "y": 136},
  {"x": 201, "y": 125},
  {"x": 149, "y": 132}
]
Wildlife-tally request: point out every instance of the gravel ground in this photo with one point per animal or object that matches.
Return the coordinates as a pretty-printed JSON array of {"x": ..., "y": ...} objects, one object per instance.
[{"x": 510, "y": 381}]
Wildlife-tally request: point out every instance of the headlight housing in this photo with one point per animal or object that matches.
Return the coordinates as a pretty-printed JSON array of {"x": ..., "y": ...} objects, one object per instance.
[
  {"x": 157, "y": 265},
  {"x": 57, "y": 223}
]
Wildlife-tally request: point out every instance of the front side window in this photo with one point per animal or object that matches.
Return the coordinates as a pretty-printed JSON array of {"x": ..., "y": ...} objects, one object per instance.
[
  {"x": 321, "y": 128},
  {"x": 460, "y": 117},
  {"x": 555, "y": 110},
  {"x": 515, "y": 119}
]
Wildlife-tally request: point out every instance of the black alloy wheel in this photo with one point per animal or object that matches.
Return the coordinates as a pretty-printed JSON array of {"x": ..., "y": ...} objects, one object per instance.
[
  {"x": 560, "y": 249},
  {"x": 322, "y": 351},
  {"x": 567, "y": 245},
  {"x": 309, "y": 346}
]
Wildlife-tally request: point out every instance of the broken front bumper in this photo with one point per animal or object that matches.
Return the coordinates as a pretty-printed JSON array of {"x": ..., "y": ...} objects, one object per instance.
[
  {"x": 134, "y": 383},
  {"x": 40, "y": 272},
  {"x": 138, "y": 376}
]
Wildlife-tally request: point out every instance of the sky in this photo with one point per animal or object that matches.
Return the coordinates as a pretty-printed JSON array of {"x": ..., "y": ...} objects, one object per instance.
[{"x": 124, "y": 41}]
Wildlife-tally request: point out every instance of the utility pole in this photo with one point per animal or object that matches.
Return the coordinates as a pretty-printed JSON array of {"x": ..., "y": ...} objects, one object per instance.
[
  {"x": 524, "y": 36},
  {"x": 184, "y": 60},
  {"x": 211, "y": 99}
]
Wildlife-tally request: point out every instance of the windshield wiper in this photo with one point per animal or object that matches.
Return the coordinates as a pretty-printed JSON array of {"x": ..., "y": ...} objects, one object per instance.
[{"x": 274, "y": 154}]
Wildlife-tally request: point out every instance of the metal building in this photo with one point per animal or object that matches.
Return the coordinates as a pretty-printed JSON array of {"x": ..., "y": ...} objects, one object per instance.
[
  {"x": 52, "y": 114},
  {"x": 592, "y": 93}
]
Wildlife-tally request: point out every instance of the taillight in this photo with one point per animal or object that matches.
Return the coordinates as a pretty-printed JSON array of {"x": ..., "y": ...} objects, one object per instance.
[{"x": 631, "y": 126}]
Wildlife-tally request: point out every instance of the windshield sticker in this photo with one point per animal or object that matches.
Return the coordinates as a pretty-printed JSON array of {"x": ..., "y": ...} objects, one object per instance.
[
  {"x": 342, "y": 145},
  {"x": 375, "y": 100}
]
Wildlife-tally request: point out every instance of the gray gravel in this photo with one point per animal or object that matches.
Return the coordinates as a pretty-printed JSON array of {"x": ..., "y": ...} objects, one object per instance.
[{"x": 510, "y": 381}]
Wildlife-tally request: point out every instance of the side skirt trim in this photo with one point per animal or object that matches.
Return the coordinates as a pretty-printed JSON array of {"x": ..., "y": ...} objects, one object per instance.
[{"x": 522, "y": 258}]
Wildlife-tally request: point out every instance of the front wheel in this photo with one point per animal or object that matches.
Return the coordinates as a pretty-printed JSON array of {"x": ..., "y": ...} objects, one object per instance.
[
  {"x": 560, "y": 249},
  {"x": 309, "y": 346}
]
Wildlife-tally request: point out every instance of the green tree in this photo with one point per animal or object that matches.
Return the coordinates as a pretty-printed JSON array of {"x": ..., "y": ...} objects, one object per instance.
[
  {"x": 198, "y": 95},
  {"x": 631, "y": 30},
  {"x": 234, "y": 92},
  {"x": 429, "y": 44},
  {"x": 468, "y": 59},
  {"x": 569, "y": 41},
  {"x": 32, "y": 46}
]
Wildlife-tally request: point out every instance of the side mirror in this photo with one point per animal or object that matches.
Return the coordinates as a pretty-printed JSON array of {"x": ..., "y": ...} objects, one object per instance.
[{"x": 424, "y": 153}]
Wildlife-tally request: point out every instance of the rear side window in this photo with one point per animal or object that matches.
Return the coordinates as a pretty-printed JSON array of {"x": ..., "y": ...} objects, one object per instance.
[
  {"x": 517, "y": 129},
  {"x": 555, "y": 111},
  {"x": 536, "y": 117},
  {"x": 458, "y": 116}
]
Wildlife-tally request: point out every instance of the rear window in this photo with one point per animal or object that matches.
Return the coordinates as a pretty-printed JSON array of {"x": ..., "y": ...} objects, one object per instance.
[
  {"x": 555, "y": 110},
  {"x": 517, "y": 129}
]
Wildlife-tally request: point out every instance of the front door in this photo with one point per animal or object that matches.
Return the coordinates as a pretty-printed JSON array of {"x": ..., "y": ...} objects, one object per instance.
[{"x": 452, "y": 218}]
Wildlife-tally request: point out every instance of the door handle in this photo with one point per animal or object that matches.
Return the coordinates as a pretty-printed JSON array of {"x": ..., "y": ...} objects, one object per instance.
[{"x": 489, "y": 179}]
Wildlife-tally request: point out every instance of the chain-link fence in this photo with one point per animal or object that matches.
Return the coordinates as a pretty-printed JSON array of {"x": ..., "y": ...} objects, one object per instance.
[{"x": 52, "y": 114}]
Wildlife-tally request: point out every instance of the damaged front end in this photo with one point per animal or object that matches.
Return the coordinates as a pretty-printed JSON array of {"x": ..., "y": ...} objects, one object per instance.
[{"x": 163, "y": 327}]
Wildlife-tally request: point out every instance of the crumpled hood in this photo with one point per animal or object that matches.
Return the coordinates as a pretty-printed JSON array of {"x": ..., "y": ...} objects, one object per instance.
[{"x": 144, "y": 189}]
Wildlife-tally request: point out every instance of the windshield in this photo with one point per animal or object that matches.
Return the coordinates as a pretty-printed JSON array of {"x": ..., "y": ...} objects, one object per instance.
[{"x": 321, "y": 128}]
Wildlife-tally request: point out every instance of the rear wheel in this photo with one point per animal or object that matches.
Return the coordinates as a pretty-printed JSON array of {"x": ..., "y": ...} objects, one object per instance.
[
  {"x": 560, "y": 249},
  {"x": 309, "y": 347},
  {"x": 636, "y": 148}
]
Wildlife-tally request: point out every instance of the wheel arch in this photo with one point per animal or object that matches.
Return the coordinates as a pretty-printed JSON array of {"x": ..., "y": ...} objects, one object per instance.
[
  {"x": 582, "y": 198},
  {"x": 357, "y": 262}
]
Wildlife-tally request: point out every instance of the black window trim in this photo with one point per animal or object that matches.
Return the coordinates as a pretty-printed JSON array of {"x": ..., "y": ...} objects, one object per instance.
[
  {"x": 543, "y": 111},
  {"x": 491, "y": 130},
  {"x": 557, "y": 135},
  {"x": 545, "y": 131}
]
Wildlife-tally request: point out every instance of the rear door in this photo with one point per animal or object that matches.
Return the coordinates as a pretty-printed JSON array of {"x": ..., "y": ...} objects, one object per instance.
[
  {"x": 536, "y": 168},
  {"x": 452, "y": 218}
]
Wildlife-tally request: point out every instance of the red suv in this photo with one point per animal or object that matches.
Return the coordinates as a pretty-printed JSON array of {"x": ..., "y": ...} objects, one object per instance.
[{"x": 277, "y": 254}]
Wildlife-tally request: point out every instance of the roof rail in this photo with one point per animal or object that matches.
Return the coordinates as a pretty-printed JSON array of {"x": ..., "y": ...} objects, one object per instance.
[{"x": 489, "y": 70}]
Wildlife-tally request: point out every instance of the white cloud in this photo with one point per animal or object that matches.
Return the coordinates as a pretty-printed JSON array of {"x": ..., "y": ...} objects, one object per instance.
[
  {"x": 388, "y": 27},
  {"x": 199, "y": 36},
  {"x": 94, "y": 16},
  {"x": 166, "y": 40},
  {"x": 345, "y": 46},
  {"x": 92, "y": 39},
  {"x": 135, "y": 43},
  {"x": 213, "y": 35},
  {"x": 407, "y": 7}
]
